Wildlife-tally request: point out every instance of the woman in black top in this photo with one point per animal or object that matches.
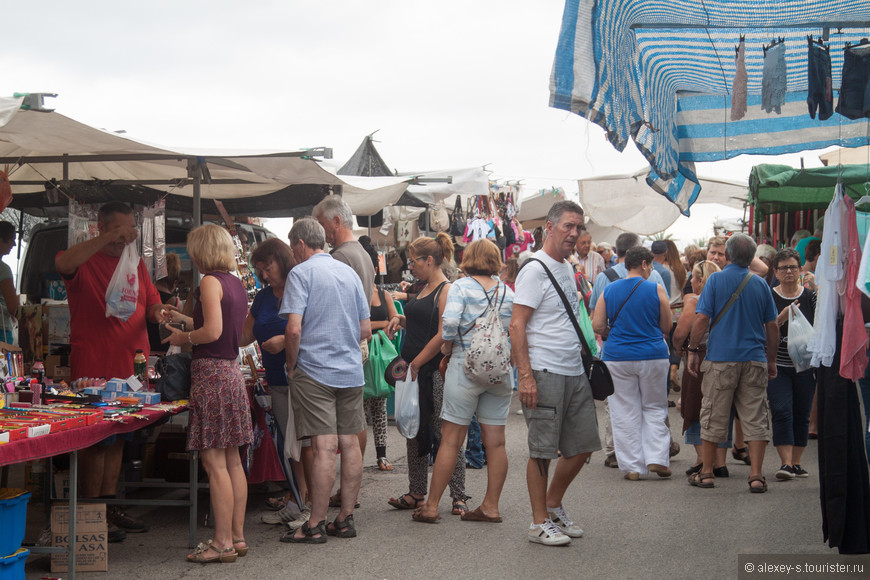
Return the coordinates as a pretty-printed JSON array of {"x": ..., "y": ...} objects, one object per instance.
[
  {"x": 790, "y": 394},
  {"x": 422, "y": 351}
]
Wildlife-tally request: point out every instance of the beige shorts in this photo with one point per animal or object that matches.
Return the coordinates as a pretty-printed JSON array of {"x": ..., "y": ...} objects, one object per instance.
[
  {"x": 743, "y": 384},
  {"x": 322, "y": 410}
]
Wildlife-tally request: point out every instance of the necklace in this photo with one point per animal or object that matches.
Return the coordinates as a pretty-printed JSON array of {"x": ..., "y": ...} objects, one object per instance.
[{"x": 797, "y": 292}]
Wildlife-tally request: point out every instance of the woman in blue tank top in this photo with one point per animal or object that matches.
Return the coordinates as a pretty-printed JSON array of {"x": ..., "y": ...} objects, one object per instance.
[{"x": 638, "y": 314}]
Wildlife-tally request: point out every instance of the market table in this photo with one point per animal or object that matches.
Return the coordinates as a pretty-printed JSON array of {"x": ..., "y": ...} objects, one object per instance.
[{"x": 72, "y": 440}]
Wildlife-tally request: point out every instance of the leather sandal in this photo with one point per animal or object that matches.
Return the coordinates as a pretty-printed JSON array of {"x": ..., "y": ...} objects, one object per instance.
[
  {"x": 697, "y": 480},
  {"x": 757, "y": 489},
  {"x": 308, "y": 532},
  {"x": 198, "y": 555},
  {"x": 403, "y": 504},
  {"x": 243, "y": 551},
  {"x": 335, "y": 501},
  {"x": 344, "y": 529},
  {"x": 741, "y": 454}
]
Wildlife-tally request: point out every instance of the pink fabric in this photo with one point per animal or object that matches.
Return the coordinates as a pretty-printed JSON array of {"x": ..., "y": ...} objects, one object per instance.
[
  {"x": 265, "y": 464},
  {"x": 853, "y": 352}
]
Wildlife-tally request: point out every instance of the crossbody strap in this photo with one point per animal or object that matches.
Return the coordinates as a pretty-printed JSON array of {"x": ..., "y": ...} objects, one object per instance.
[
  {"x": 567, "y": 304},
  {"x": 615, "y": 316},
  {"x": 732, "y": 300}
]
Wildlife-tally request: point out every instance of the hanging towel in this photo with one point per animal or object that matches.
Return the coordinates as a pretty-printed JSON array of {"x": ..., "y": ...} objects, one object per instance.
[
  {"x": 738, "y": 89},
  {"x": 829, "y": 270},
  {"x": 853, "y": 355}
]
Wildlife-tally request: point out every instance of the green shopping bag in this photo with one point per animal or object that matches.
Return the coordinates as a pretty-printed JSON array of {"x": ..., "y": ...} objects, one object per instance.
[
  {"x": 586, "y": 327},
  {"x": 381, "y": 353}
]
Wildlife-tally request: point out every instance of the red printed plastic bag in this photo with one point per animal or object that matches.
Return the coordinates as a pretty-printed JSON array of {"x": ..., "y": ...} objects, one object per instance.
[{"x": 123, "y": 291}]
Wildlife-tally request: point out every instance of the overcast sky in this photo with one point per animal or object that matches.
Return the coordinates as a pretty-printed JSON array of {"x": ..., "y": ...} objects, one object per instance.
[{"x": 448, "y": 84}]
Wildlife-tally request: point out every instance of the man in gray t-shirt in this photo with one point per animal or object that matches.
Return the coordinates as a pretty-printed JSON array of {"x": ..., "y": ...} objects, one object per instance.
[{"x": 335, "y": 216}]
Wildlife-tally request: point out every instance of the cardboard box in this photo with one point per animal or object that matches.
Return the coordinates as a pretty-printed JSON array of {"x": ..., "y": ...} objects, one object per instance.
[{"x": 91, "y": 537}]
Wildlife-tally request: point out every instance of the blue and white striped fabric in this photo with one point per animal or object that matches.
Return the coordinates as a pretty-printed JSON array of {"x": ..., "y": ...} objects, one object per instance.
[{"x": 660, "y": 72}]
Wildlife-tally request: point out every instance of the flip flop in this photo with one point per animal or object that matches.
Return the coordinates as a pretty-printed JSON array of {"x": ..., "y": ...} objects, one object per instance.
[
  {"x": 384, "y": 465},
  {"x": 477, "y": 515},
  {"x": 418, "y": 516}
]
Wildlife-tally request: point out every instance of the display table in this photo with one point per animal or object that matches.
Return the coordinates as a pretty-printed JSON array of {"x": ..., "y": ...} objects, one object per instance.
[
  {"x": 80, "y": 438},
  {"x": 73, "y": 440}
]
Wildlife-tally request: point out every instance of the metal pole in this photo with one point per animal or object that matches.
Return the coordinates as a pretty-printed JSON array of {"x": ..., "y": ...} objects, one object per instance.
[
  {"x": 73, "y": 512},
  {"x": 194, "y": 496}
]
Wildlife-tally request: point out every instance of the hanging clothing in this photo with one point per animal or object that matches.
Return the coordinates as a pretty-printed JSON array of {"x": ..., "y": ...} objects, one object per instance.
[
  {"x": 774, "y": 79},
  {"x": 478, "y": 229},
  {"x": 829, "y": 270},
  {"x": 853, "y": 355},
  {"x": 820, "y": 94},
  {"x": 738, "y": 88},
  {"x": 854, "y": 100},
  {"x": 844, "y": 484}
]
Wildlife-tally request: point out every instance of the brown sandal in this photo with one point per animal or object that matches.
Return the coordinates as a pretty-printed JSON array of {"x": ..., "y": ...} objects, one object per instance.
[
  {"x": 757, "y": 489},
  {"x": 697, "y": 480},
  {"x": 404, "y": 504},
  {"x": 243, "y": 551}
]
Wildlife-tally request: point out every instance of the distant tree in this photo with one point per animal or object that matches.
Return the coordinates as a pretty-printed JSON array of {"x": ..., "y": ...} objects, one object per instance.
[{"x": 660, "y": 236}]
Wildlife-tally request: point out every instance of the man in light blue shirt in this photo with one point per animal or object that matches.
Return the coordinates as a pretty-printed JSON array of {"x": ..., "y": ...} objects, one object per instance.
[
  {"x": 624, "y": 243},
  {"x": 327, "y": 317}
]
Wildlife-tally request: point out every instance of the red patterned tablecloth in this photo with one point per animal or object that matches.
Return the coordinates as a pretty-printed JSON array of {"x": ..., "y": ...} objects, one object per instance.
[{"x": 75, "y": 439}]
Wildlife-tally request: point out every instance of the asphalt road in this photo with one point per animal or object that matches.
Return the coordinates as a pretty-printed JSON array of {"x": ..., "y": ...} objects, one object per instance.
[{"x": 653, "y": 528}]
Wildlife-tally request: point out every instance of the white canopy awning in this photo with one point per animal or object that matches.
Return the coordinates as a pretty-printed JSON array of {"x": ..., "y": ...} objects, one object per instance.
[
  {"x": 627, "y": 202},
  {"x": 35, "y": 145}
]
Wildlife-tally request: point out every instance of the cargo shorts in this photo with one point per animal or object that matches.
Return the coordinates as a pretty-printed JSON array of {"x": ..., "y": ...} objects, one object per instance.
[
  {"x": 743, "y": 384},
  {"x": 564, "y": 419}
]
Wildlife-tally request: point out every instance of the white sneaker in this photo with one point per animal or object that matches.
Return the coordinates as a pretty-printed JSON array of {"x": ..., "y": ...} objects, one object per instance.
[
  {"x": 297, "y": 523},
  {"x": 548, "y": 534},
  {"x": 288, "y": 513},
  {"x": 561, "y": 518}
]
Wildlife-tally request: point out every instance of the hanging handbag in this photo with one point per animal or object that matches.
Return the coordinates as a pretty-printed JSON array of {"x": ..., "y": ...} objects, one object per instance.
[
  {"x": 457, "y": 220},
  {"x": 596, "y": 371}
]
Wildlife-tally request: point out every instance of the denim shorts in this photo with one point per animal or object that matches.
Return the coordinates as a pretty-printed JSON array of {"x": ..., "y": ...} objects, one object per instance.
[
  {"x": 564, "y": 419},
  {"x": 854, "y": 100},
  {"x": 462, "y": 398},
  {"x": 819, "y": 86}
]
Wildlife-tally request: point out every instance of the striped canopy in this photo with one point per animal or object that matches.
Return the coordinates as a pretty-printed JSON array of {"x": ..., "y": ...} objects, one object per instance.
[{"x": 661, "y": 73}]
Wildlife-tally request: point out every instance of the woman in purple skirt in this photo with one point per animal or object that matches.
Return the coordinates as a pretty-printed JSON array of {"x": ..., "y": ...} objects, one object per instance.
[{"x": 220, "y": 418}]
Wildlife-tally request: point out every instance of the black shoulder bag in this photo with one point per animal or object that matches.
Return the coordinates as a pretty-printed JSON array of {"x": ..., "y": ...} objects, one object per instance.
[{"x": 596, "y": 370}]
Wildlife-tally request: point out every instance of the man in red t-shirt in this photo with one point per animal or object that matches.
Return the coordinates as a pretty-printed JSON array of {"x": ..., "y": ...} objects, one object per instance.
[{"x": 104, "y": 346}]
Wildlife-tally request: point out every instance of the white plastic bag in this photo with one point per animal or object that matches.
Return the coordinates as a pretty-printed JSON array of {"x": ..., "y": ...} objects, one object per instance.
[
  {"x": 799, "y": 333},
  {"x": 123, "y": 291},
  {"x": 407, "y": 406}
]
